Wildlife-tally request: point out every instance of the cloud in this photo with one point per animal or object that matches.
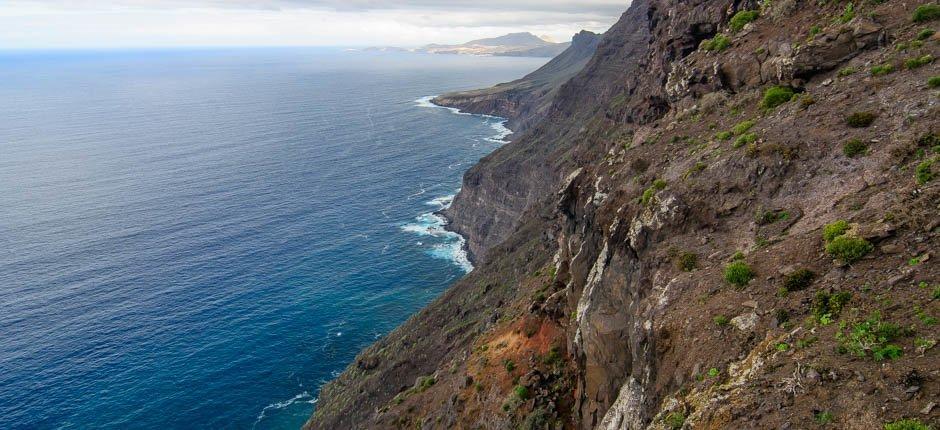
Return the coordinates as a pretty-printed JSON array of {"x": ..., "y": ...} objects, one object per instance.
[{"x": 128, "y": 23}]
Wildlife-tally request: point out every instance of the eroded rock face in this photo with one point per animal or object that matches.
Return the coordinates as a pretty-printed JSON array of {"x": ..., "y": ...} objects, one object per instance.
[{"x": 833, "y": 48}]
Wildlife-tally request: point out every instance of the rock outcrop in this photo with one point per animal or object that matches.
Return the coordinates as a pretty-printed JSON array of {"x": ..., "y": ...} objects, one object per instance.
[{"x": 722, "y": 221}]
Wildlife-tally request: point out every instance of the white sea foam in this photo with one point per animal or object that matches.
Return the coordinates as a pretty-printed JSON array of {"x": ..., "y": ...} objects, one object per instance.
[
  {"x": 303, "y": 397},
  {"x": 447, "y": 244},
  {"x": 498, "y": 123}
]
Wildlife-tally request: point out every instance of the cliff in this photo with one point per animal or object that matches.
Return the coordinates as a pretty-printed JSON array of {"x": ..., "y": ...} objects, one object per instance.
[
  {"x": 727, "y": 219},
  {"x": 525, "y": 101}
]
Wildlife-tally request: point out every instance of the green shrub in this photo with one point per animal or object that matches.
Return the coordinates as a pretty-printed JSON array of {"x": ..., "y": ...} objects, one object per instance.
[
  {"x": 687, "y": 261},
  {"x": 871, "y": 336},
  {"x": 926, "y": 12},
  {"x": 814, "y": 30},
  {"x": 846, "y": 71},
  {"x": 742, "y": 127},
  {"x": 854, "y": 148},
  {"x": 721, "y": 320},
  {"x": 913, "y": 63},
  {"x": 907, "y": 424},
  {"x": 923, "y": 173},
  {"x": 835, "y": 229},
  {"x": 718, "y": 43},
  {"x": 925, "y": 34},
  {"x": 776, "y": 96},
  {"x": 713, "y": 372},
  {"x": 882, "y": 70},
  {"x": 849, "y": 249},
  {"x": 745, "y": 139},
  {"x": 933, "y": 81},
  {"x": 521, "y": 392},
  {"x": 509, "y": 365},
  {"x": 798, "y": 280},
  {"x": 742, "y": 18},
  {"x": 848, "y": 13},
  {"x": 823, "y": 417},
  {"x": 860, "y": 119},
  {"x": 827, "y": 307},
  {"x": 650, "y": 192},
  {"x": 739, "y": 273},
  {"x": 675, "y": 420}
]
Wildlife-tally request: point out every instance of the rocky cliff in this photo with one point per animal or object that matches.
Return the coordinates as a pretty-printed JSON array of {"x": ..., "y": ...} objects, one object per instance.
[
  {"x": 525, "y": 101},
  {"x": 727, "y": 219}
]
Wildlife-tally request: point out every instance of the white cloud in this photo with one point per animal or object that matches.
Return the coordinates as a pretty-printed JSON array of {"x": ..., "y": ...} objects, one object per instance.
[{"x": 133, "y": 23}]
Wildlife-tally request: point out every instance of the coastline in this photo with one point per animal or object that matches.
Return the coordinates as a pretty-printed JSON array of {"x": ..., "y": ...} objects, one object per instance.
[{"x": 503, "y": 133}]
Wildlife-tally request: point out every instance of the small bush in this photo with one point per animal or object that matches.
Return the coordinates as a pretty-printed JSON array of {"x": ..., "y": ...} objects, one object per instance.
[
  {"x": 913, "y": 63},
  {"x": 926, "y": 12},
  {"x": 871, "y": 336},
  {"x": 742, "y": 127},
  {"x": 742, "y": 18},
  {"x": 521, "y": 392},
  {"x": 827, "y": 307},
  {"x": 907, "y": 424},
  {"x": 675, "y": 420},
  {"x": 745, "y": 139},
  {"x": 776, "y": 96},
  {"x": 650, "y": 192},
  {"x": 725, "y": 135},
  {"x": 739, "y": 273},
  {"x": 846, "y": 71},
  {"x": 823, "y": 418},
  {"x": 713, "y": 372},
  {"x": 849, "y": 249},
  {"x": 933, "y": 81},
  {"x": 882, "y": 70},
  {"x": 509, "y": 365},
  {"x": 925, "y": 34},
  {"x": 854, "y": 148},
  {"x": 835, "y": 229},
  {"x": 860, "y": 119},
  {"x": 718, "y": 43},
  {"x": 687, "y": 261},
  {"x": 848, "y": 13},
  {"x": 799, "y": 280},
  {"x": 923, "y": 173},
  {"x": 721, "y": 320},
  {"x": 814, "y": 30}
]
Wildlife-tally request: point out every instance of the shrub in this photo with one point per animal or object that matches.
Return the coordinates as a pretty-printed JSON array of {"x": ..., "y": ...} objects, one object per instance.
[
  {"x": 714, "y": 372},
  {"x": 742, "y": 127},
  {"x": 907, "y": 424},
  {"x": 721, "y": 320},
  {"x": 926, "y": 12},
  {"x": 776, "y": 96},
  {"x": 798, "y": 280},
  {"x": 739, "y": 273},
  {"x": 725, "y": 135},
  {"x": 848, "y": 13},
  {"x": 650, "y": 192},
  {"x": 871, "y": 336},
  {"x": 687, "y": 261},
  {"x": 923, "y": 173},
  {"x": 510, "y": 365},
  {"x": 834, "y": 230},
  {"x": 823, "y": 417},
  {"x": 854, "y": 148},
  {"x": 860, "y": 119},
  {"x": 849, "y": 249},
  {"x": 745, "y": 139},
  {"x": 882, "y": 70},
  {"x": 742, "y": 18},
  {"x": 925, "y": 34},
  {"x": 814, "y": 30},
  {"x": 846, "y": 71},
  {"x": 718, "y": 43},
  {"x": 933, "y": 81},
  {"x": 913, "y": 63},
  {"x": 521, "y": 392},
  {"x": 675, "y": 420},
  {"x": 827, "y": 307}
]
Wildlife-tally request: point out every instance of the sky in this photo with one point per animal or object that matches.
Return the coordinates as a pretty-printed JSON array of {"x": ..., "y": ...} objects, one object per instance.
[{"x": 66, "y": 24}]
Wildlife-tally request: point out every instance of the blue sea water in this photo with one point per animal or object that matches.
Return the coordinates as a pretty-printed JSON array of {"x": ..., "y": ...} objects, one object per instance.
[{"x": 201, "y": 238}]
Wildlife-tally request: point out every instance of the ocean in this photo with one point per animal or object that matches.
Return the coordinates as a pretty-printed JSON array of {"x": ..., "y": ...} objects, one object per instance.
[{"x": 202, "y": 238}]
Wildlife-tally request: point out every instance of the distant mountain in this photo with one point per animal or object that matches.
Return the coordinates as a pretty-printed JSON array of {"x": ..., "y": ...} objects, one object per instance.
[
  {"x": 511, "y": 45},
  {"x": 525, "y": 100}
]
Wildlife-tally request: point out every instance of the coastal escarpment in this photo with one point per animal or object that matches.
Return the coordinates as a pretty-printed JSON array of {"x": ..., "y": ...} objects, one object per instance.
[
  {"x": 525, "y": 101},
  {"x": 727, "y": 219}
]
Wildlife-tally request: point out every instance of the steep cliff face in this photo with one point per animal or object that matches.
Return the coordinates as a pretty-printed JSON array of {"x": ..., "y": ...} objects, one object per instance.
[
  {"x": 726, "y": 220},
  {"x": 525, "y": 101}
]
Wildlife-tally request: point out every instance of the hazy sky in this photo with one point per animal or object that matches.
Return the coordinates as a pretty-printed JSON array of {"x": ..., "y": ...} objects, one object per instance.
[{"x": 151, "y": 23}]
